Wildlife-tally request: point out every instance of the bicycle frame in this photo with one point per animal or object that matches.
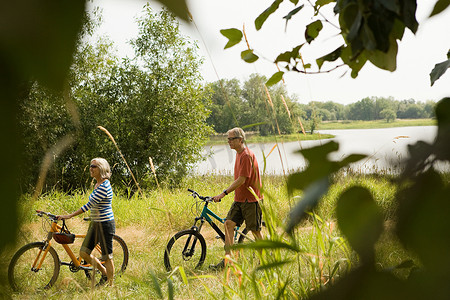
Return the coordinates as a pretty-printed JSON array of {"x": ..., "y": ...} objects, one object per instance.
[
  {"x": 76, "y": 261},
  {"x": 206, "y": 215}
]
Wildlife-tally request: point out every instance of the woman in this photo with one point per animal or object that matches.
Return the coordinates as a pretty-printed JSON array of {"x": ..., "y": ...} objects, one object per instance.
[{"x": 102, "y": 227}]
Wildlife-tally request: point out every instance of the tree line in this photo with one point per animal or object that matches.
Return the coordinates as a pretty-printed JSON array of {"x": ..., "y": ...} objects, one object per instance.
[{"x": 270, "y": 110}]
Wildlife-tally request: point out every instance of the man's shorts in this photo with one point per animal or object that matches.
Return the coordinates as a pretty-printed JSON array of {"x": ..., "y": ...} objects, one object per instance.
[
  {"x": 100, "y": 232},
  {"x": 250, "y": 212}
]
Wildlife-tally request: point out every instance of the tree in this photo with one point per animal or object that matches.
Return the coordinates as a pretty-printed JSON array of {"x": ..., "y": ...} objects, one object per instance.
[
  {"x": 249, "y": 105},
  {"x": 388, "y": 114},
  {"x": 153, "y": 105}
]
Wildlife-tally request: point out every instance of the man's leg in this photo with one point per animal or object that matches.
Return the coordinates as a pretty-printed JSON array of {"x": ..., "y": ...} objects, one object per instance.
[
  {"x": 257, "y": 234},
  {"x": 229, "y": 235}
]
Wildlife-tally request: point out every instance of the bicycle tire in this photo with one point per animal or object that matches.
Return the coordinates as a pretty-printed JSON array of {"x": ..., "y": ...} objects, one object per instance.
[
  {"x": 185, "y": 241},
  {"x": 120, "y": 257},
  {"x": 21, "y": 276}
]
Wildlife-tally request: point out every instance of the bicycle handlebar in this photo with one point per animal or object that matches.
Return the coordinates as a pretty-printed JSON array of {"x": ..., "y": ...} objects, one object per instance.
[
  {"x": 195, "y": 194},
  {"x": 40, "y": 213}
]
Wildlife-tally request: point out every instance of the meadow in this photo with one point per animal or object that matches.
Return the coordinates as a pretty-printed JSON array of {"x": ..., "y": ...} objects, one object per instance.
[{"x": 313, "y": 257}]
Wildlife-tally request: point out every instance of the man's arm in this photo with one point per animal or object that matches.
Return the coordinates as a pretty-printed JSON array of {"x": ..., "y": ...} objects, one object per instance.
[{"x": 237, "y": 183}]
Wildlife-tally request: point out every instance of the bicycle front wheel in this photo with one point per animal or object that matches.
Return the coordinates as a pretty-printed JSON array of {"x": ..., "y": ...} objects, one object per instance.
[
  {"x": 24, "y": 272},
  {"x": 120, "y": 256},
  {"x": 185, "y": 249}
]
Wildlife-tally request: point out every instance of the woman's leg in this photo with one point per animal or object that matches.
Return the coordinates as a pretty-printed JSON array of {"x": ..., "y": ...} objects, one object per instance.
[
  {"x": 109, "y": 266},
  {"x": 94, "y": 262}
]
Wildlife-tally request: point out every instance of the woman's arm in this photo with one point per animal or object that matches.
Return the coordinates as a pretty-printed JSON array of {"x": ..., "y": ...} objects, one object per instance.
[{"x": 75, "y": 213}]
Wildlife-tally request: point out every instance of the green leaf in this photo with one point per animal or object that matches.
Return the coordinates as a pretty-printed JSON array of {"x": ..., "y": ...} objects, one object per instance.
[
  {"x": 310, "y": 199},
  {"x": 233, "y": 35},
  {"x": 178, "y": 7},
  {"x": 386, "y": 61},
  {"x": 332, "y": 56},
  {"x": 259, "y": 21},
  {"x": 439, "y": 7},
  {"x": 351, "y": 159},
  {"x": 320, "y": 3},
  {"x": 408, "y": 15},
  {"x": 170, "y": 289},
  {"x": 312, "y": 30},
  {"x": 267, "y": 244},
  {"x": 273, "y": 265},
  {"x": 156, "y": 285},
  {"x": 275, "y": 78},
  {"x": 288, "y": 55},
  {"x": 360, "y": 220},
  {"x": 249, "y": 56},
  {"x": 439, "y": 70},
  {"x": 38, "y": 38},
  {"x": 393, "y": 6},
  {"x": 293, "y": 12},
  {"x": 406, "y": 264},
  {"x": 253, "y": 125},
  {"x": 355, "y": 63}
]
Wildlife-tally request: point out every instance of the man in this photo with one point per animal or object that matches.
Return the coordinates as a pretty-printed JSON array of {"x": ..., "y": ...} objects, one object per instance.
[{"x": 246, "y": 185}]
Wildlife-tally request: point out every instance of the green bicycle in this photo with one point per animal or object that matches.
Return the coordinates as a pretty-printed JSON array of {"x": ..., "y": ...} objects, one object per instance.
[{"x": 187, "y": 248}]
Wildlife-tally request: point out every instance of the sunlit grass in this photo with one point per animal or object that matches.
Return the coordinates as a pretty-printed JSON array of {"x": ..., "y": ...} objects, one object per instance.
[{"x": 322, "y": 257}]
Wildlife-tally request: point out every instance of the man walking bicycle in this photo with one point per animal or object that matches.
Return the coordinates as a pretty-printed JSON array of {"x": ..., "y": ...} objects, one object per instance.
[{"x": 246, "y": 184}]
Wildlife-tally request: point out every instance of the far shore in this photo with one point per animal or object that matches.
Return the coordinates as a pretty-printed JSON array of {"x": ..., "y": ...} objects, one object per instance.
[{"x": 254, "y": 137}]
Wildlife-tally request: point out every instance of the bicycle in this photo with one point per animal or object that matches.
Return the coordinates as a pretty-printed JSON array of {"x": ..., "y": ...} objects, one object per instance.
[
  {"x": 187, "y": 248},
  {"x": 36, "y": 266}
]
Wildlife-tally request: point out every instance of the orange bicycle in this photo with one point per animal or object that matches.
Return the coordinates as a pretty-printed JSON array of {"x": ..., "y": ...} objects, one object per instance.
[{"x": 36, "y": 266}]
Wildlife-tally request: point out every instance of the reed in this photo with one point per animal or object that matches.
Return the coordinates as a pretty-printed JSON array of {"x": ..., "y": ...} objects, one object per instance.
[{"x": 121, "y": 155}]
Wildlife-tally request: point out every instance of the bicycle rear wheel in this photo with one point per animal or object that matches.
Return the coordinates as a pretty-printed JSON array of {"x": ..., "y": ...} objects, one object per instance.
[
  {"x": 120, "y": 256},
  {"x": 23, "y": 274},
  {"x": 185, "y": 249}
]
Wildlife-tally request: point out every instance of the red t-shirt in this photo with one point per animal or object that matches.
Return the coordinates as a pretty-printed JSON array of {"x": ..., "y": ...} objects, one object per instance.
[{"x": 247, "y": 166}]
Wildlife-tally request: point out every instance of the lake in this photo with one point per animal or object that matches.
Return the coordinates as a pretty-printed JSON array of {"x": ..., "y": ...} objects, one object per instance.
[{"x": 385, "y": 148}]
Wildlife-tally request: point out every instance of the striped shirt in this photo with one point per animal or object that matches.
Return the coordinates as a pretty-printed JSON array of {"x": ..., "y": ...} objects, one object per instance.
[{"x": 100, "y": 203}]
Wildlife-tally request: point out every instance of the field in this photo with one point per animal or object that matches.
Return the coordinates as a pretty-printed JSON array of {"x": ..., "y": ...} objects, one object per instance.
[{"x": 317, "y": 256}]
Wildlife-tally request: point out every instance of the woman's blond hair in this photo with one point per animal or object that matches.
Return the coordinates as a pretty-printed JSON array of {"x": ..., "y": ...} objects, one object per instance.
[{"x": 103, "y": 165}]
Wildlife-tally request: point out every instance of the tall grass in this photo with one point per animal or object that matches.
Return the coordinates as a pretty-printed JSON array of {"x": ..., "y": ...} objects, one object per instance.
[{"x": 293, "y": 267}]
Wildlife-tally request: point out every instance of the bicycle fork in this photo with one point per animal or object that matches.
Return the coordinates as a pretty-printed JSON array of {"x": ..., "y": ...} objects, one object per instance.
[{"x": 39, "y": 260}]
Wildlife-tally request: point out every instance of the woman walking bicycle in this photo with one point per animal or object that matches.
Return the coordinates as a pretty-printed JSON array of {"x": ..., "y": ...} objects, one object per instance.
[{"x": 102, "y": 227}]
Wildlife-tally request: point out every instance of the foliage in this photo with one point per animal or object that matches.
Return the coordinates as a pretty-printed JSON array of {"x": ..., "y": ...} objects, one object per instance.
[
  {"x": 149, "y": 103},
  {"x": 422, "y": 208},
  {"x": 370, "y": 31},
  {"x": 251, "y": 106}
]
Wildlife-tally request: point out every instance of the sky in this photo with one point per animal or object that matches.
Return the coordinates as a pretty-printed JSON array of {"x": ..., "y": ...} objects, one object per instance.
[{"x": 417, "y": 53}]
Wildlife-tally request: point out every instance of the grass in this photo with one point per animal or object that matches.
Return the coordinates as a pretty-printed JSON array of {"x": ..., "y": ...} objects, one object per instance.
[
  {"x": 317, "y": 253},
  {"x": 221, "y": 139}
]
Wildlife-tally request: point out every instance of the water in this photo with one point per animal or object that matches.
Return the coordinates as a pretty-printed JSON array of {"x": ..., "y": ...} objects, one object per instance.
[{"x": 385, "y": 149}]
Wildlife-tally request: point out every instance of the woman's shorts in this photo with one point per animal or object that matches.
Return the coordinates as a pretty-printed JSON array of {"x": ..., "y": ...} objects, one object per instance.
[
  {"x": 250, "y": 212},
  {"x": 100, "y": 232}
]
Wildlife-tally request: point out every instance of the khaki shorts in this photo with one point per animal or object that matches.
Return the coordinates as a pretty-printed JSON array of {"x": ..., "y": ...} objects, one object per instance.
[{"x": 250, "y": 212}]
